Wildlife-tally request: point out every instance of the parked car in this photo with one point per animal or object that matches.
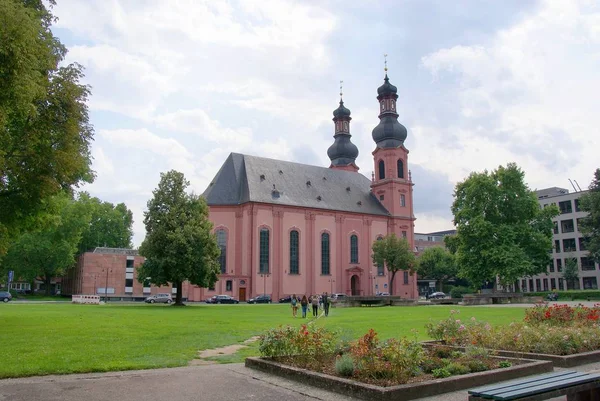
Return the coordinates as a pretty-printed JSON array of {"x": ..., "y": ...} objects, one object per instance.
[
  {"x": 225, "y": 299},
  {"x": 337, "y": 297},
  {"x": 159, "y": 299},
  {"x": 285, "y": 300},
  {"x": 436, "y": 295},
  {"x": 260, "y": 299},
  {"x": 211, "y": 300},
  {"x": 5, "y": 296},
  {"x": 383, "y": 294}
]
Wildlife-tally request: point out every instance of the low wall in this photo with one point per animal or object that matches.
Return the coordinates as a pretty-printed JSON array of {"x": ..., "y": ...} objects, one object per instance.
[
  {"x": 355, "y": 301},
  {"x": 500, "y": 298}
]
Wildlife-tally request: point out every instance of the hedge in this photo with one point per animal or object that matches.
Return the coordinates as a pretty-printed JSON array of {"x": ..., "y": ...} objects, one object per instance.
[{"x": 570, "y": 295}]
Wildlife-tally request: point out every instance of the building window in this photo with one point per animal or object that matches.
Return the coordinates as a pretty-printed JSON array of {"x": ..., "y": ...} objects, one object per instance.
[
  {"x": 579, "y": 220},
  {"x": 590, "y": 283},
  {"x": 577, "y": 207},
  {"x": 325, "y": 254},
  {"x": 402, "y": 200},
  {"x": 129, "y": 285},
  {"x": 264, "y": 251},
  {"x": 405, "y": 277},
  {"x": 587, "y": 264},
  {"x": 294, "y": 252},
  {"x": 222, "y": 243},
  {"x": 555, "y": 227},
  {"x": 582, "y": 246},
  {"x": 557, "y": 246},
  {"x": 353, "y": 249},
  {"x": 569, "y": 245},
  {"x": 559, "y": 265},
  {"x": 552, "y": 284},
  {"x": 129, "y": 263},
  {"x": 565, "y": 207},
  {"x": 538, "y": 284},
  {"x": 523, "y": 285},
  {"x": 380, "y": 197},
  {"x": 560, "y": 285},
  {"x": 551, "y": 267},
  {"x": 531, "y": 288},
  {"x": 400, "y": 169},
  {"x": 381, "y": 170},
  {"x": 545, "y": 281},
  {"x": 229, "y": 285},
  {"x": 380, "y": 268},
  {"x": 567, "y": 226},
  {"x": 404, "y": 234}
]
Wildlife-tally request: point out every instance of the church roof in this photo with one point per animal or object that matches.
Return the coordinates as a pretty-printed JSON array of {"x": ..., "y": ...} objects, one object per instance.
[{"x": 245, "y": 178}]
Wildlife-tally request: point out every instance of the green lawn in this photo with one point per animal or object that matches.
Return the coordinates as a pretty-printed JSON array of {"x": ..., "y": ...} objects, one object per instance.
[{"x": 66, "y": 338}]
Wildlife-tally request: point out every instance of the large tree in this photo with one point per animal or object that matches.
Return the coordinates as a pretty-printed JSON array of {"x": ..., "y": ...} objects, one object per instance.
[
  {"x": 48, "y": 251},
  {"x": 179, "y": 244},
  {"x": 501, "y": 229},
  {"x": 45, "y": 134},
  {"x": 110, "y": 225},
  {"x": 438, "y": 264},
  {"x": 590, "y": 225},
  {"x": 395, "y": 254}
]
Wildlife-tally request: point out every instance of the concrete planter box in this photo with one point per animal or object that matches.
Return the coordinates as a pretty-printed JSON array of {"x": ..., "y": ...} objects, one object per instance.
[
  {"x": 401, "y": 392},
  {"x": 563, "y": 361}
]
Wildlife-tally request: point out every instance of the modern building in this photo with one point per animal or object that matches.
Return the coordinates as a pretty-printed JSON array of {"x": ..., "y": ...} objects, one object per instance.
[
  {"x": 111, "y": 272},
  {"x": 286, "y": 228},
  {"x": 568, "y": 245}
]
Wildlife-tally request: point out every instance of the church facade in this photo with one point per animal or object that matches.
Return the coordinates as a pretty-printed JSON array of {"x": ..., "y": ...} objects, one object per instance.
[{"x": 288, "y": 228}]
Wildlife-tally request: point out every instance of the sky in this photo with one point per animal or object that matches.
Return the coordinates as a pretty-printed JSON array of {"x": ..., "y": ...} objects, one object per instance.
[{"x": 180, "y": 84}]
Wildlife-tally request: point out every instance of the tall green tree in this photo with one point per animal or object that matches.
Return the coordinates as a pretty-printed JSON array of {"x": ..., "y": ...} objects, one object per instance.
[
  {"x": 110, "y": 225},
  {"x": 590, "y": 225},
  {"x": 571, "y": 272},
  {"x": 179, "y": 244},
  {"x": 501, "y": 229},
  {"x": 395, "y": 254},
  {"x": 50, "y": 250},
  {"x": 45, "y": 134},
  {"x": 438, "y": 264}
]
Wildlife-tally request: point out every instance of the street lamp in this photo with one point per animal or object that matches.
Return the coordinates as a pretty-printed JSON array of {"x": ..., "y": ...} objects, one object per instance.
[{"x": 106, "y": 285}]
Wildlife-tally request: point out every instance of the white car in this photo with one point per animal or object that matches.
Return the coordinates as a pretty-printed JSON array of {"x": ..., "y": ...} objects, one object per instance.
[{"x": 337, "y": 297}]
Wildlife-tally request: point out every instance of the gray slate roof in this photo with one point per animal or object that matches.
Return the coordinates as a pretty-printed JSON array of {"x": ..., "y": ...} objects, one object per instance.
[{"x": 244, "y": 178}]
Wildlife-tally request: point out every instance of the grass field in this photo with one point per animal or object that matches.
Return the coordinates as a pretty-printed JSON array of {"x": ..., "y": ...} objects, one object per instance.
[{"x": 66, "y": 338}]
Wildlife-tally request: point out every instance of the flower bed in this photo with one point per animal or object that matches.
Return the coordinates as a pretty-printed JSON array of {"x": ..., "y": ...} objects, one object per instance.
[
  {"x": 373, "y": 368},
  {"x": 568, "y": 336}
]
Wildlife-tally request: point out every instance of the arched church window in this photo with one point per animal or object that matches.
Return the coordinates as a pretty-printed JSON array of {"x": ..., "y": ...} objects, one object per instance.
[
  {"x": 325, "y": 254},
  {"x": 264, "y": 251},
  {"x": 380, "y": 271},
  {"x": 381, "y": 170},
  {"x": 400, "y": 168},
  {"x": 294, "y": 252},
  {"x": 222, "y": 243},
  {"x": 353, "y": 249}
]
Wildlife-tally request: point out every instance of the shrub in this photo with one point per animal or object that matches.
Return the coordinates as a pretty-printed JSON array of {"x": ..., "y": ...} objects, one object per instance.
[
  {"x": 431, "y": 364},
  {"x": 344, "y": 365},
  {"x": 305, "y": 341},
  {"x": 456, "y": 368},
  {"x": 505, "y": 364},
  {"x": 458, "y": 292},
  {"x": 476, "y": 365},
  {"x": 569, "y": 295},
  {"x": 477, "y": 352},
  {"x": 563, "y": 315},
  {"x": 441, "y": 373}
]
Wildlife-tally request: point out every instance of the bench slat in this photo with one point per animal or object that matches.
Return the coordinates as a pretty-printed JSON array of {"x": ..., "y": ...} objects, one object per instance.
[
  {"x": 545, "y": 388},
  {"x": 546, "y": 381},
  {"x": 478, "y": 391}
]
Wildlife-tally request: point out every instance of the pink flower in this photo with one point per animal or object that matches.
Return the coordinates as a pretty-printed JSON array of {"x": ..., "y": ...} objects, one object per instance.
[
  {"x": 461, "y": 328},
  {"x": 457, "y": 320}
]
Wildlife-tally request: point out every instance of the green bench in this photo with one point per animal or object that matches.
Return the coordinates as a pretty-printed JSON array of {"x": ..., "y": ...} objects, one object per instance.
[{"x": 577, "y": 386}]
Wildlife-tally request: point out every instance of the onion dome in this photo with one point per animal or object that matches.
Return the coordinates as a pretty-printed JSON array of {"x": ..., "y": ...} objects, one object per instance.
[
  {"x": 387, "y": 88},
  {"x": 341, "y": 111},
  {"x": 389, "y": 133},
  {"x": 343, "y": 152}
]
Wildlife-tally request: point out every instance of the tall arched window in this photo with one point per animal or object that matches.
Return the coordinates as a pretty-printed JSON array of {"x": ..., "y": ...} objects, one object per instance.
[
  {"x": 400, "y": 168},
  {"x": 353, "y": 249},
  {"x": 325, "y": 254},
  {"x": 380, "y": 268},
  {"x": 294, "y": 252},
  {"x": 264, "y": 251},
  {"x": 381, "y": 170},
  {"x": 222, "y": 243}
]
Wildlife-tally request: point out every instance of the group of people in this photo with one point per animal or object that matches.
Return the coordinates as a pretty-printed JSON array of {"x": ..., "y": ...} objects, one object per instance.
[{"x": 316, "y": 301}]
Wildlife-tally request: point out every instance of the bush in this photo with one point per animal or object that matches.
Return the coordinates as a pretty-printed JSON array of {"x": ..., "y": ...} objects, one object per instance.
[
  {"x": 578, "y": 295},
  {"x": 458, "y": 292},
  {"x": 441, "y": 373},
  {"x": 563, "y": 315},
  {"x": 344, "y": 365},
  {"x": 456, "y": 368},
  {"x": 476, "y": 365},
  {"x": 431, "y": 364},
  {"x": 305, "y": 341},
  {"x": 505, "y": 364}
]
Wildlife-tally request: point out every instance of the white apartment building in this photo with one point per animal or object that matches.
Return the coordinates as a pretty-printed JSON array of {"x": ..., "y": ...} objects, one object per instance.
[{"x": 568, "y": 244}]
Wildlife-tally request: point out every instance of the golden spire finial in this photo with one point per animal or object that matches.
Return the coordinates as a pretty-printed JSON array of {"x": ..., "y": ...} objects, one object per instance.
[
  {"x": 385, "y": 62},
  {"x": 341, "y": 91}
]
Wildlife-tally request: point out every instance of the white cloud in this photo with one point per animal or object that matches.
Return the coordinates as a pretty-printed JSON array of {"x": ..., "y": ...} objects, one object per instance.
[{"x": 527, "y": 96}]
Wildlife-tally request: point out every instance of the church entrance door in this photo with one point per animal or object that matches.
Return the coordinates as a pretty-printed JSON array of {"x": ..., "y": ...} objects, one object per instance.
[
  {"x": 355, "y": 285},
  {"x": 242, "y": 292}
]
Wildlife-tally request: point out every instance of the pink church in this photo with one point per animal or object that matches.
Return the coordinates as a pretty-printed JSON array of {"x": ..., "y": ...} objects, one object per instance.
[{"x": 288, "y": 228}]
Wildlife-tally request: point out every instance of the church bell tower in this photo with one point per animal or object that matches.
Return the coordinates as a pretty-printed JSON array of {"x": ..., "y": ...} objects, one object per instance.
[{"x": 343, "y": 152}]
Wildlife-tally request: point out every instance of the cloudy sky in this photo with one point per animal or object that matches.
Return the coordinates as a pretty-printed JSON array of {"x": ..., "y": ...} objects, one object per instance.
[{"x": 180, "y": 84}]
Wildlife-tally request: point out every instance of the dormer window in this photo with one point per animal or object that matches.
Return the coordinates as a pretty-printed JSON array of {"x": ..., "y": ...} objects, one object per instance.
[
  {"x": 262, "y": 177},
  {"x": 319, "y": 198},
  {"x": 308, "y": 184}
]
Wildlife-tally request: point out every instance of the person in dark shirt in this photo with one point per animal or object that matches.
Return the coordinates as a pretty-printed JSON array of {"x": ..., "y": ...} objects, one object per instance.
[
  {"x": 326, "y": 303},
  {"x": 304, "y": 305}
]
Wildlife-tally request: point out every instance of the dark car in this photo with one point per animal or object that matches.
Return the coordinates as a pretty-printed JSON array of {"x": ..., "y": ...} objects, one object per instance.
[
  {"x": 436, "y": 295},
  {"x": 224, "y": 299},
  {"x": 261, "y": 299},
  {"x": 211, "y": 300},
  {"x": 5, "y": 296},
  {"x": 285, "y": 300}
]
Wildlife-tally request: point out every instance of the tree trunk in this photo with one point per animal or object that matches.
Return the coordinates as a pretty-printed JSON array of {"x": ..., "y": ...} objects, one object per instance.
[
  {"x": 392, "y": 283},
  {"x": 47, "y": 280},
  {"x": 179, "y": 295},
  {"x": 441, "y": 285}
]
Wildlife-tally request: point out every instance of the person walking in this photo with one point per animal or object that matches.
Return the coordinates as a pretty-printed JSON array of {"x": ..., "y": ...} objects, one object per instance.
[
  {"x": 315, "y": 305},
  {"x": 326, "y": 303},
  {"x": 304, "y": 305},
  {"x": 294, "y": 302}
]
